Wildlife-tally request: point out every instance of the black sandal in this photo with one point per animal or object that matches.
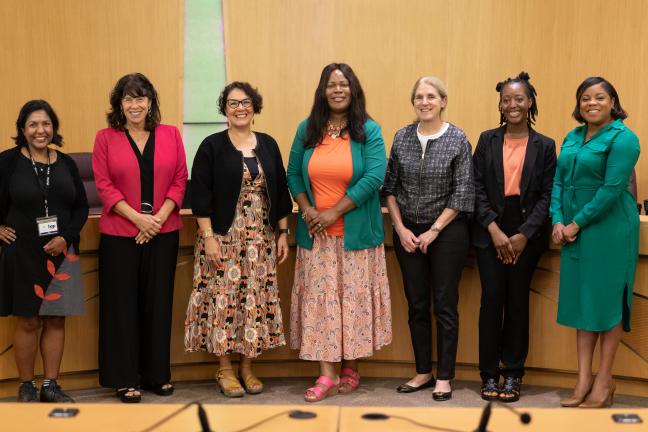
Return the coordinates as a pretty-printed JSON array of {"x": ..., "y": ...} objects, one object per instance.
[
  {"x": 129, "y": 395},
  {"x": 165, "y": 389},
  {"x": 490, "y": 390},
  {"x": 510, "y": 390}
]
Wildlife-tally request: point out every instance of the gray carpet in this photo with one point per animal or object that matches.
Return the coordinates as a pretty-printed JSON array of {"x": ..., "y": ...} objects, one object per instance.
[{"x": 372, "y": 392}]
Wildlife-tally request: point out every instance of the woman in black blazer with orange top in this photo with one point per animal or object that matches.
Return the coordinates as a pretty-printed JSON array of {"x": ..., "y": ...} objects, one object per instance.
[{"x": 514, "y": 168}]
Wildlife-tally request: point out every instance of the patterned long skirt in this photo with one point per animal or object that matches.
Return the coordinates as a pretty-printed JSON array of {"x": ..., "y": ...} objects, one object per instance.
[
  {"x": 236, "y": 310},
  {"x": 341, "y": 306}
]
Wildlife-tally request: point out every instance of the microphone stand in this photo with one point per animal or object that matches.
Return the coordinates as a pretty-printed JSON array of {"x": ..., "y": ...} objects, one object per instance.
[
  {"x": 525, "y": 417},
  {"x": 202, "y": 418}
]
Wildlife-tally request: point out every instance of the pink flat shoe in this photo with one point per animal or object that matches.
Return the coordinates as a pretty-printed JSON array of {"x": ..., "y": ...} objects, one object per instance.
[
  {"x": 323, "y": 388},
  {"x": 349, "y": 380}
]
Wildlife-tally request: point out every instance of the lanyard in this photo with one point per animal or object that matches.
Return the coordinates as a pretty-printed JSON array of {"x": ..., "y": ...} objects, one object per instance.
[{"x": 43, "y": 189}]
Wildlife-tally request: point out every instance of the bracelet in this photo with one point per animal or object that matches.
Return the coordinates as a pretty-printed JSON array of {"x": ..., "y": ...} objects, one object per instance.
[
  {"x": 284, "y": 231},
  {"x": 208, "y": 233}
]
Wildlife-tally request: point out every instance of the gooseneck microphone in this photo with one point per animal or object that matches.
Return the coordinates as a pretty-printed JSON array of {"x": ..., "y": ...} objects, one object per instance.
[
  {"x": 202, "y": 417},
  {"x": 525, "y": 417}
]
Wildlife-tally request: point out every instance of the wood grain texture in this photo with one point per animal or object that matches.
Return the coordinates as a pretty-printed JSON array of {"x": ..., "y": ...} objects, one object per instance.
[
  {"x": 282, "y": 46},
  {"x": 72, "y": 52}
]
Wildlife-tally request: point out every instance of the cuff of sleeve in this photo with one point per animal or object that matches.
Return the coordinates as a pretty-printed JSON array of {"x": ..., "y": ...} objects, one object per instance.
[
  {"x": 113, "y": 199},
  {"x": 177, "y": 199},
  {"x": 489, "y": 218},
  {"x": 580, "y": 221},
  {"x": 527, "y": 231}
]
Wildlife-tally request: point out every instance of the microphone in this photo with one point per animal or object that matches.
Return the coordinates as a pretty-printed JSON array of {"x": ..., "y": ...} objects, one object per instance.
[
  {"x": 525, "y": 417},
  {"x": 202, "y": 417}
]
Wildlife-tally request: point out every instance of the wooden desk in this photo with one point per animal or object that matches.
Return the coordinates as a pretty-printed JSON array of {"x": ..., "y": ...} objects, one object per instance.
[
  {"x": 501, "y": 420},
  {"x": 137, "y": 417}
]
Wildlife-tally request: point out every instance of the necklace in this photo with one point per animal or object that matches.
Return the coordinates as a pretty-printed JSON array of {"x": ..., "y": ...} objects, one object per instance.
[{"x": 335, "y": 131}]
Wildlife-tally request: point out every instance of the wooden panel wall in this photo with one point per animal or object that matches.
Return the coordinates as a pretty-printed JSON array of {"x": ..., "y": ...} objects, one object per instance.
[
  {"x": 282, "y": 46},
  {"x": 72, "y": 52}
]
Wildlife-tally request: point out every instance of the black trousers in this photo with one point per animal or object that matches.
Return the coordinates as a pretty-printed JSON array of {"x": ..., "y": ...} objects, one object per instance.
[
  {"x": 504, "y": 311},
  {"x": 434, "y": 274},
  {"x": 136, "y": 297}
]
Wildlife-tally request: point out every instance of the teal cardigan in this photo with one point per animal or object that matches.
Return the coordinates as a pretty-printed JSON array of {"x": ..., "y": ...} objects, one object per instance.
[{"x": 363, "y": 225}]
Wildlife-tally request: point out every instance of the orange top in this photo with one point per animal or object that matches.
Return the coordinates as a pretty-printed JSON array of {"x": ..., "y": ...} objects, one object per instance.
[
  {"x": 513, "y": 153},
  {"x": 330, "y": 169}
]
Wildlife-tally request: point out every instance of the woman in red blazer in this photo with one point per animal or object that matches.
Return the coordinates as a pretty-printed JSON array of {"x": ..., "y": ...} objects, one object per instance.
[{"x": 141, "y": 173}]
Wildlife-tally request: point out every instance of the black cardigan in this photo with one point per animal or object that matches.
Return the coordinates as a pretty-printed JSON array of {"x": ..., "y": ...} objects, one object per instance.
[
  {"x": 8, "y": 160},
  {"x": 535, "y": 188},
  {"x": 217, "y": 174}
]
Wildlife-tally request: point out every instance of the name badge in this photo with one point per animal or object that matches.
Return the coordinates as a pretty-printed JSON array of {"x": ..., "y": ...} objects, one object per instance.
[{"x": 47, "y": 225}]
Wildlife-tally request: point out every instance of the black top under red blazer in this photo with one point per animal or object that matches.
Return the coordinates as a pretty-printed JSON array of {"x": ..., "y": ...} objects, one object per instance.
[
  {"x": 535, "y": 188},
  {"x": 217, "y": 174}
]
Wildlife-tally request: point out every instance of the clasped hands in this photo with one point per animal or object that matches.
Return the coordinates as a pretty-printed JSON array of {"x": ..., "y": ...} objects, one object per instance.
[
  {"x": 562, "y": 234},
  {"x": 508, "y": 248},
  {"x": 410, "y": 242},
  {"x": 148, "y": 225},
  {"x": 317, "y": 221}
]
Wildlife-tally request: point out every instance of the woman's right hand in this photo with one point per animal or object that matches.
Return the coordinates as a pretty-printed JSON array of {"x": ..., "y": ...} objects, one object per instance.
[
  {"x": 502, "y": 244},
  {"x": 213, "y": 253},
  {"x": 148, "y": 224},
  {"x": 408, "y": 240},
  {"x": 7, "y": 234},
  {"x": 557, "y": 234}
]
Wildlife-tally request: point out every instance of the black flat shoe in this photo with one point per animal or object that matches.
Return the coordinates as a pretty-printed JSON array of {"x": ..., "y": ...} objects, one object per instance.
[
  {"x": 159, "y": 389},
  {"x": 406, "y": 388},
  {"x": 27, "y": 392},
  {"x": 54, "y": 393},
  {"x": 442, "y": 396},
  {"x": 128, "y": 395}
]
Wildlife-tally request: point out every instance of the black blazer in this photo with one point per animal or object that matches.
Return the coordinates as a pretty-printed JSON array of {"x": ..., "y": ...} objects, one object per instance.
[
  {"x": 535, "y": 188},
  {"x": 217, "y": 174}
]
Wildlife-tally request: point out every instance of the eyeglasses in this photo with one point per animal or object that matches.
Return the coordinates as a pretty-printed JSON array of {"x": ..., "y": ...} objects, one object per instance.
[{"x": 234, "y": 103}]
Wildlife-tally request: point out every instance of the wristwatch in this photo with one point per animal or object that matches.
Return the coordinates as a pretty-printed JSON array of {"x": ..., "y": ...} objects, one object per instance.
[
  {"x": 284, "y": 231},
  {"x": 435, "y": 227}
]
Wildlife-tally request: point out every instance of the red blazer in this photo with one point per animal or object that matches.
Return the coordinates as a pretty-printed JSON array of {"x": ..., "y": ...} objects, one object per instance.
[{"x": 117, "y": 177}]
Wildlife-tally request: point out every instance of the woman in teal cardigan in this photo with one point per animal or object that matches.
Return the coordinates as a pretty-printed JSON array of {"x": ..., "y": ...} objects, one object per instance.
[
  {"x": 595, "y": 220},
  {"x": 340, "y": 301}
]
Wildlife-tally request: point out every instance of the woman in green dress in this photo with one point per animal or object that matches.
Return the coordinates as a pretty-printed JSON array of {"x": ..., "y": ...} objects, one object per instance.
[{"x": 595, "y": 220}]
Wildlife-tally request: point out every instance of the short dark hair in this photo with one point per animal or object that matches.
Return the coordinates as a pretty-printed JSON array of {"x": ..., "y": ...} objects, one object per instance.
[
  {"x": 356, "y": 115},
  {"x": 617, "y": 111},
  {"x": 26, "y": 111},
  {"x": 135, "y": 85},
  {"x": 522, "y": 78},
  {"x": 257, "y": 99}
]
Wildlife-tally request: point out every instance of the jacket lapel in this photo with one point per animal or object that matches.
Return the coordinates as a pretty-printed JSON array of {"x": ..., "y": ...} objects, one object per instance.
[
  {"x": 529, "y": 161},
  {"x": 497, "y": 144}
]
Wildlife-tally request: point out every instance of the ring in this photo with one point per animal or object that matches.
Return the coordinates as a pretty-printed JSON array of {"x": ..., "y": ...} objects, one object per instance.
[{"x": 319, "y": 224}]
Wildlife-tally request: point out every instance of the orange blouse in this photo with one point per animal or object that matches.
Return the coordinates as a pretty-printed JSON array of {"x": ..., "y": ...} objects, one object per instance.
[
  {"x": 330, "y": 170},
  {"x": 514, "y": 152}
]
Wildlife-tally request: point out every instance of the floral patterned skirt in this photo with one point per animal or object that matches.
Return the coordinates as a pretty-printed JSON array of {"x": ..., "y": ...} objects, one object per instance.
[
  {"x": 341, "y": 306},
  {"x": 236, "y": 310}
]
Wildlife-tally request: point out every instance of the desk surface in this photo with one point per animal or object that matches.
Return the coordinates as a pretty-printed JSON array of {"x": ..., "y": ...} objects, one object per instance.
[
  {"x": 17, "y": 417},
  {"x": 501, "y": 420}
]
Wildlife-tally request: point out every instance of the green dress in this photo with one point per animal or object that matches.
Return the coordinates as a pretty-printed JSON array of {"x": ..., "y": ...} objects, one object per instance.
[{"x": 597, "y": 270}]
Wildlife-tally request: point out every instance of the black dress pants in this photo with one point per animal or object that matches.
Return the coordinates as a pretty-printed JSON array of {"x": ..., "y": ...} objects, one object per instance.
[
  {"x": 434, "y": 274},
  {"x": 136, "y": 297},
  {"x": 504, "y": 311}
]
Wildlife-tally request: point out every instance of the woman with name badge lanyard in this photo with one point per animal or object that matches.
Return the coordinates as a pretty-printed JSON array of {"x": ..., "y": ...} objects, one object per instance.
[{"x": 43, "y": 207}]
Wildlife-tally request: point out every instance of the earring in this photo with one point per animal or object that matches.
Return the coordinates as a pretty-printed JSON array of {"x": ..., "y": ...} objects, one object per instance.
[{"x": 149, "y": 113}]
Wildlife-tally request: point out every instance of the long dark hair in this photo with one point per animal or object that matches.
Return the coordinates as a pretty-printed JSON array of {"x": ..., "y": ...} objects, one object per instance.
[
  {"x": 134, "y": 85},
  {"x": 522, "y": 78},
  {"x": 320, "y": 112},
  {"x": 617, "y": 111},
  {"x": 25, "y": 112}
]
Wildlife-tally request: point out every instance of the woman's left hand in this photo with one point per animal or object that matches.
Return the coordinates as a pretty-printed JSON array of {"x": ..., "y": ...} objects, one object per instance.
[
  {"x": 426, "y": 239},
  {"x": 55, "y": 246},
  {"x": 570, "y": 232},
  {"x": 282, "y": 248}
]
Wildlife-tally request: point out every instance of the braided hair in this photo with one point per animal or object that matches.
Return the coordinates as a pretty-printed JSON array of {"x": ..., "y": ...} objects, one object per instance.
[{"x": 522, "y": 78}]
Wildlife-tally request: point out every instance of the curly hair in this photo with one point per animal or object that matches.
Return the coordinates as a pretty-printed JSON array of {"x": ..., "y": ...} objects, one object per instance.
[
  {"x": 134, "y": 85},
  {"x": 356, "y": 115},
  {"x": 522, "y": 78},
  {"x": 26, "y": 111},
  {"x": 245, "y": 87},
  {"x": 617, "y": 111}
]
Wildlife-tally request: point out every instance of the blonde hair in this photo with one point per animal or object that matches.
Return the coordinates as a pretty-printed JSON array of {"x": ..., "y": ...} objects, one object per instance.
[{"x": 434, "y": 82}]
